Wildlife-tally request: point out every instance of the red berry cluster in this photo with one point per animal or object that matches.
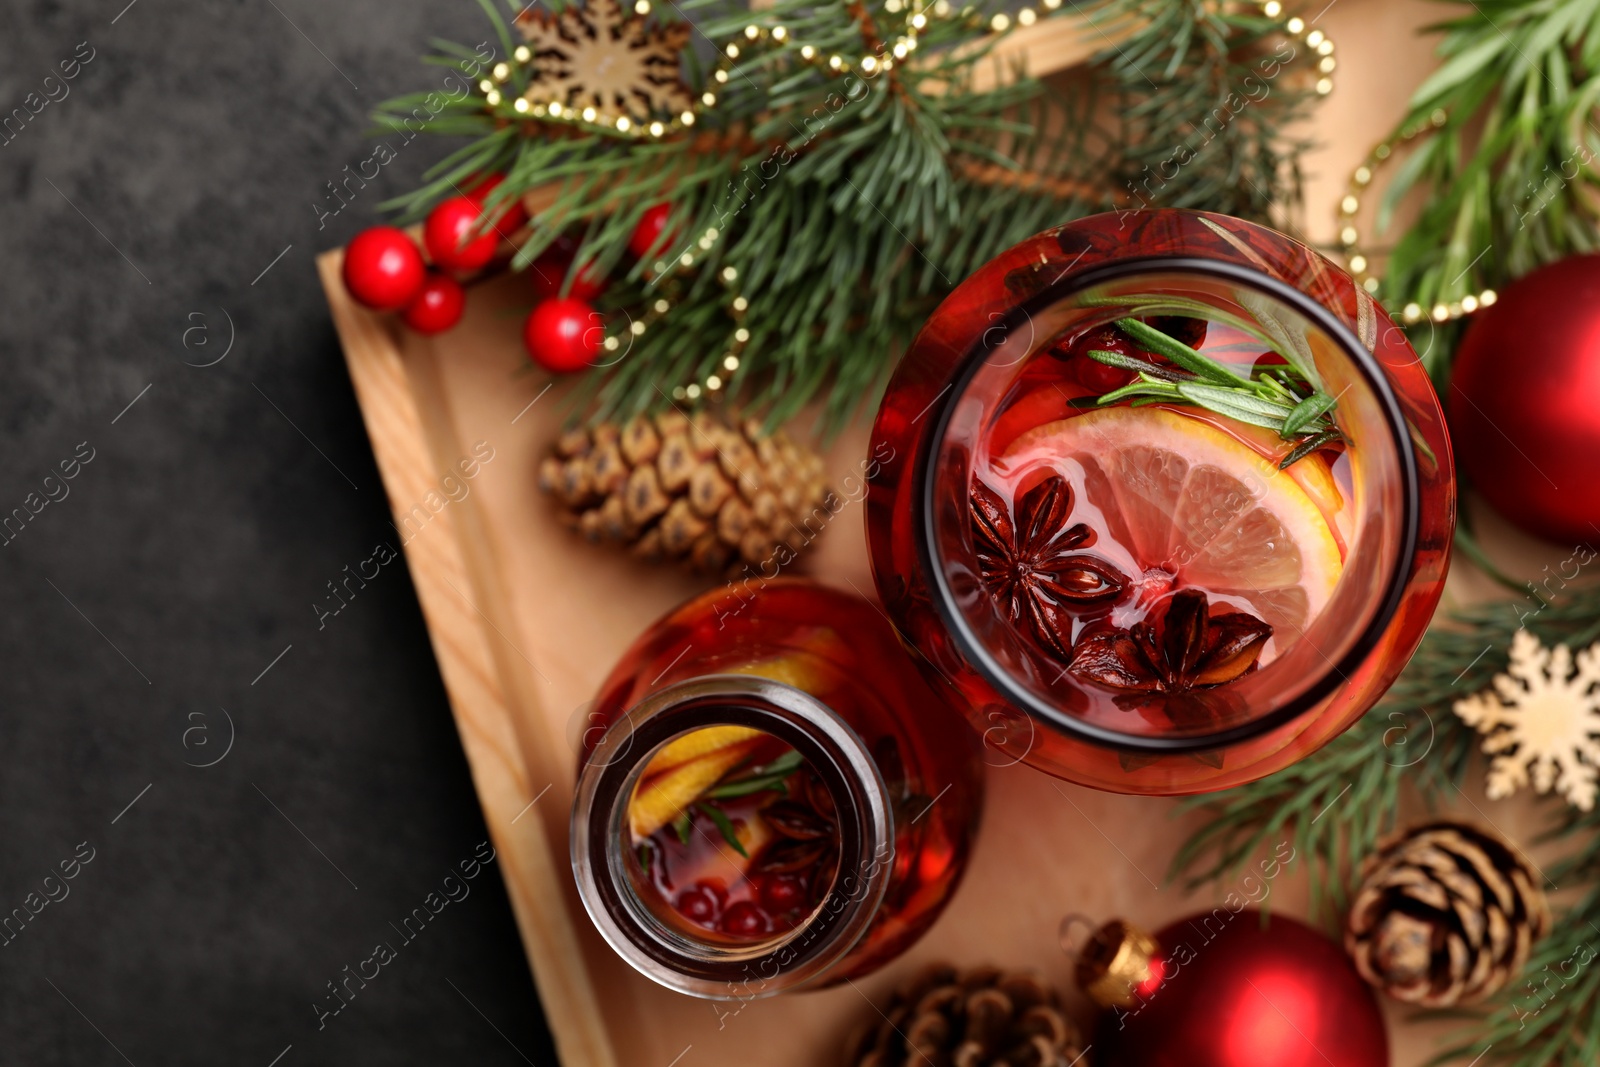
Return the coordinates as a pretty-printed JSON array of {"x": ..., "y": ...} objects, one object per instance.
[
  {"x": 564, "y": 333},
  {"x": 779, "y": 903},
  {"x": 384, "y": 270}
]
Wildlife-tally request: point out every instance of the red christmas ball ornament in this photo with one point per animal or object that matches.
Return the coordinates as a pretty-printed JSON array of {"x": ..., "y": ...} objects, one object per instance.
[
  {"x": 383, "y": 269},
  {"x": 651, "y": 225},
  {"x": 1222, "y": 989},
  {"x": 563, "y": 335},
  {"x": 1523, "y": 422},
  {"x": 437, "y": 307},
  {"x": 448, "y": 235},
  {"x": 513, "y": 216}
]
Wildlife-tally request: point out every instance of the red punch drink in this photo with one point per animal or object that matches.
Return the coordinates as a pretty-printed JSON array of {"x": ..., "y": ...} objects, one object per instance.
[
  {"x": 771, "y": 797},
  {"x": 1171, "y": 504}
]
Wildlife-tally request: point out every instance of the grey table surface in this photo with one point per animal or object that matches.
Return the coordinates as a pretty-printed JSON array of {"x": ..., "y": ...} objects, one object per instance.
[{"x": 212, "y": 809}]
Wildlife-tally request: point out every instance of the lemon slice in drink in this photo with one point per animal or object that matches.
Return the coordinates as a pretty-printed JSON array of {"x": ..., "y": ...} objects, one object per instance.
[
  {"x": 1185, "y": 497},
  {"x": 665, "y": 796},
  {"x": 692, "y": 746}
]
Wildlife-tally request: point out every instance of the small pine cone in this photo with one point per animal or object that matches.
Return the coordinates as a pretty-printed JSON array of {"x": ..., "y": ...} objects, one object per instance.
[
  {"x": 718, "y": 497},
  {"x": 1445, "y": 915},
  {"x": 982, "y": 1018}
]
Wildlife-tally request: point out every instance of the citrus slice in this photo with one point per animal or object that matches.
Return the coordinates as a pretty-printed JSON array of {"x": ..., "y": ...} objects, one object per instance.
[
  {"x": 808, "y": 672},
  {"x": 1312, "y": 473},
  {"x": 664, "y": 797},
  {"x": 696, "y": 744},
  {"x": 1183, "y": 496}
]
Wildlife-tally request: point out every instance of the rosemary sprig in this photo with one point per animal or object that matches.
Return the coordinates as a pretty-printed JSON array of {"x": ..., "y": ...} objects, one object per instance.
[
  {"x": 1188, "y": 358},
  {"x": 724, "y": 826},
  {"x": 1308, "y": 446},
  {"x": 771, "y": 776},
  {"x": 1277, "y": 398}
]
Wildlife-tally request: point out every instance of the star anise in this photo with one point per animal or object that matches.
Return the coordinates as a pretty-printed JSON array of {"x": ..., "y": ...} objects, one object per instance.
[
  {"x": 808, "y": 836},
  {"x": 1183, "y": 649},
  {"x": 1028, "y": 563}
]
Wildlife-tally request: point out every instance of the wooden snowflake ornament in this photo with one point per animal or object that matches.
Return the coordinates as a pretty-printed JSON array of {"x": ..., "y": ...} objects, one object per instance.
[
  {"x": 1542, "y": 716},
  {"x": 595, "y": 56}
]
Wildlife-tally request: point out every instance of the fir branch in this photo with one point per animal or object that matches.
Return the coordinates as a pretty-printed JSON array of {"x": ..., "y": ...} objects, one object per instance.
[
  {"x": 815, "y": 183},
  {"x": 1336, "y": 803},
  {"x": 1509, "y": 164},
  {"x": 1205, "y": 93}
]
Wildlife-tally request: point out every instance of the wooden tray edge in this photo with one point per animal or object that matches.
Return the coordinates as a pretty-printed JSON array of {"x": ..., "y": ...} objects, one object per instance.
[{"x": 476, "y": 691}]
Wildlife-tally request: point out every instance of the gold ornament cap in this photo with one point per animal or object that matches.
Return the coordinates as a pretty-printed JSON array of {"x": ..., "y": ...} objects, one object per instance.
[{"x": 1113, "y": 963}]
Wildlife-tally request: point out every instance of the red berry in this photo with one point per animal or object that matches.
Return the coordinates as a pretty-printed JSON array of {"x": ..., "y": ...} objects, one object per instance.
[
  {"x": 438, "y": 307},
  {"x": 449, "y": 225},
  {"x": 563, "y": 335},
  {"x": 513, "y": 216},
  {"x": 648, "y": 232},
  {"x": 565, "y": 246},
  {"x": 1098, "y": 377},
  {"x": 550, "y": 271},
  {"x": 1191, "y": 332},
  {"x": 746, "y": 919},
  {"x": 383, "y": 269},
  {"x": 699, "y": 904},
  {"x": 782, "y": 892},
  {"x": 1093, "y": 375}
]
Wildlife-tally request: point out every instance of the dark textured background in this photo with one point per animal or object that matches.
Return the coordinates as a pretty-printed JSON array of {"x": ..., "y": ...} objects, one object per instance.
[{"x": 188, "y": 555}]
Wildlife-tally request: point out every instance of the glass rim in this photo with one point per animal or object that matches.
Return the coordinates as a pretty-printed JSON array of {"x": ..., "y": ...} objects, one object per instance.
[
  {"x": 832, "y": 750},
  {"x": 926, "y": 475}
]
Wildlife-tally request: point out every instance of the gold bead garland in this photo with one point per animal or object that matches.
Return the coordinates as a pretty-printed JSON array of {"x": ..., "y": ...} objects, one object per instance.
[
  {"x": 917, "y": 18},
  {"x": 738, "y": 307},
  {"x": 778, "y": 37},
  {"x": 1360, "y": 264},
  {"x": 1317, "y": 40}
]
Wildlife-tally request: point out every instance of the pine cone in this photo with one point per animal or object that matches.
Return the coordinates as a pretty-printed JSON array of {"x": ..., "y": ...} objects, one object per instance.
[
  {"x": 696, "y": 490},
  {"x": 1445, "y": 915},
  {"x": 984, "y": 1017}
]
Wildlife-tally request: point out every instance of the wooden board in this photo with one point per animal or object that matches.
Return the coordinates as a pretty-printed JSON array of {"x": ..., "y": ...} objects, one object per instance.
[{"x": 526, "y": 619}]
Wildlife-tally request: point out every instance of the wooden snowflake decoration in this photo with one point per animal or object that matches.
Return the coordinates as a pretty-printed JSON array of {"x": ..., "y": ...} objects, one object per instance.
[
  {"x": 595, "y": 56},
  {"x": 1541, "y": 716}
]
